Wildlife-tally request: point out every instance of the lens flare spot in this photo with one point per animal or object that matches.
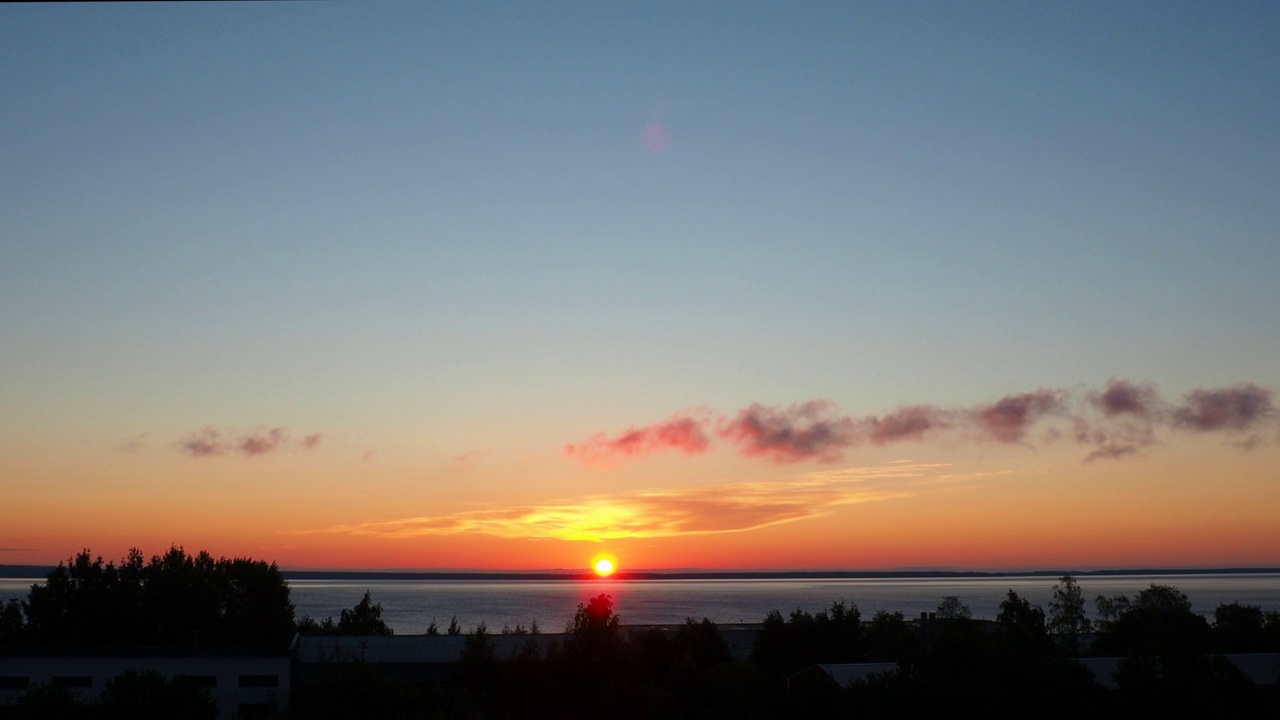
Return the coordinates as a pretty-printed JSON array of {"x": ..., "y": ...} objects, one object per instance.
[{"x": 656, "y": 138}]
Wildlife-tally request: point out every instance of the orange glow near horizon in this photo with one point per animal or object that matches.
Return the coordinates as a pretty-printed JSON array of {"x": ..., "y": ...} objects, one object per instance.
[{"x": 1001, "y": 511}]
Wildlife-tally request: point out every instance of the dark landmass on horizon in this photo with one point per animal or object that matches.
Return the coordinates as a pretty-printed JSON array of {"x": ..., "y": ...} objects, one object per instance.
[{"x": 40, "y": 571}]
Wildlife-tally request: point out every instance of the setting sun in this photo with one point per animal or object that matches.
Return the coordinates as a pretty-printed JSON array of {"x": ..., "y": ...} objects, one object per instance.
[{"x": 604, "y": 567}]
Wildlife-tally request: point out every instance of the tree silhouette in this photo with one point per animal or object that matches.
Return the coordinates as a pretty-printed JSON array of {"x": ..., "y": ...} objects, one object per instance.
[
  {"x": 888, "y": 637},
  {"x": 1066, "y": 610},
  {"x": 594, "y": 636},
  {"x": 173, "y": 599},
  {"x": 1019, "y": 616},
  {"x": 365, "y": 618},
  {"x": 1240, "y": 628},
  {"x": 831, "y": 636},
  {"x": 952, "y": 609},
  {"x": 1109, "y": 610}
]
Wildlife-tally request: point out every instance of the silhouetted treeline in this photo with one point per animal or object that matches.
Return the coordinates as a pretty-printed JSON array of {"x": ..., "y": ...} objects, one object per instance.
[
  {"x": 171, "y": 599},
  {"x": 1024, "y": 663},
  {"x": 947, "y": 664},
  {"x": 363, "y": 619}
]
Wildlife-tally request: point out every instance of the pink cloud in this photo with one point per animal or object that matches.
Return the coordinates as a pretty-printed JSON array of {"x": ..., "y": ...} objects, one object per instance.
[
  {"x": 1127, "y": 398},
  {"x": 1129, "y": 411},
  {"x": 205, "y": 442},
  {"x": 1235, "y": 408},
  {"x": 1117, "y": 422},
  {"x": 264, "y": 443},
  {"x": 804, "y": 431},
  {"x": 208, "y": 441},
  {"x": 908, "y": 423},
  {"x": 683, "y": 432},
  {"x": 1008, "y": 419}
]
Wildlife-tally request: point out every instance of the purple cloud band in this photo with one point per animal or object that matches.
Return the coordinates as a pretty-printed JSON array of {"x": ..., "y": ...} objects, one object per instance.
[{"x": 1116, "y": 421}]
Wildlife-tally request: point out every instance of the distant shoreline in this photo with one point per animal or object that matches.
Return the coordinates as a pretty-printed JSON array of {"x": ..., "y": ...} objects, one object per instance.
[
  {"x": 40, "y": 571},
  {"x": 748, "y": 575}
]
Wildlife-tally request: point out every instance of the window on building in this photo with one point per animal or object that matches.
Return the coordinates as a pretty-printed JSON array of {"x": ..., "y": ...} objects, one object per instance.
[{"x": 259, "y": 681}]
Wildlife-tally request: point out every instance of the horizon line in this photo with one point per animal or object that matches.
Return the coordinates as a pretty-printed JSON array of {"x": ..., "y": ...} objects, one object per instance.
[
  {"x": 714, "y": 573},
  {"x": 37, "y": 571}
]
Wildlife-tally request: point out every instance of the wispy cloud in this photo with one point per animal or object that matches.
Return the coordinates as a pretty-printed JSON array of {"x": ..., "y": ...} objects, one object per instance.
[
  {"x": 1129, "y": 413},
  {"x": 1235, "y": 408},
  {"x": 1008, "y": 418},
  {"x": 1117, "y": 422},
  {"x": 1122, "y": 397},
  {"x": 733, "y": 507},
  {"x": 812, "y": 430},
  {"x": 135, "y": 444},
  {"x": 263, "y": 443},
  {"x": 686, "y": 432},
  {"x": 205, "y": 442},
  {"x": 469, "y": 459},
  {"x": 1112, "y": 450},
  {"x": 908, "y": 423},
  {"x": 209, "y": 441}
]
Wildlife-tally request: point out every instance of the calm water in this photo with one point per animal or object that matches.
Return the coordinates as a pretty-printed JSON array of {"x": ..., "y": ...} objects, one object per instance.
[{"x": 409, "y": 605}]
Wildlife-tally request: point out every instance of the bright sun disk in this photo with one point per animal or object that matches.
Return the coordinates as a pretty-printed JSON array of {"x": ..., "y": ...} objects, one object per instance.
[{"x": 604, "y": 567}]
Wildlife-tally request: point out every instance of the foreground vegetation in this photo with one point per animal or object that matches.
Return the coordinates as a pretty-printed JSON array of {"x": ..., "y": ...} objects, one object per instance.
[
  {"x": 1013, "y": 667},
  {"x": 1022, "y": 664}
]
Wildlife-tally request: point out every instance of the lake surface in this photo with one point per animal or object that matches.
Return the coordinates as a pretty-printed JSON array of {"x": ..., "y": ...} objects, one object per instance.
[{"x": 410, "y": 605}]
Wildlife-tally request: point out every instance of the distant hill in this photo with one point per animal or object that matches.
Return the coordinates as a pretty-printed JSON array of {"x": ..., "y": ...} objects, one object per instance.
[{"x": 25, "y": 571}]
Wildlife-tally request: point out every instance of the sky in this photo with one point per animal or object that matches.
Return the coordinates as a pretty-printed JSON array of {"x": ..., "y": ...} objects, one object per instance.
[{"x": 724, "y": 285}]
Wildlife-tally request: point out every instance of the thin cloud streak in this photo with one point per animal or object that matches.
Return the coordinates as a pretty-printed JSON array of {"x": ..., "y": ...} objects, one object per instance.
[
  {"x": 136, "y": 444},
  {"x": 209, "y": 441},
  {"x": 469, "y": 459},
  {"x": 734, "y": 507}
]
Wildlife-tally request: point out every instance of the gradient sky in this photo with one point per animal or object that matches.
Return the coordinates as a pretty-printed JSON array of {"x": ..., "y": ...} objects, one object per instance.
[{"x": 737, "y": 285}]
